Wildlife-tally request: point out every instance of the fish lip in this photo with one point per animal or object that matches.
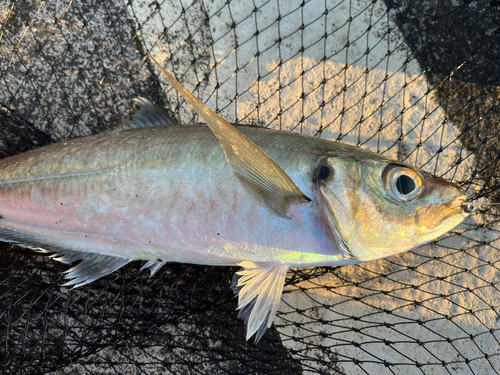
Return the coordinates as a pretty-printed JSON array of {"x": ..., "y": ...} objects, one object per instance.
[
  {"x": 451, "y": 210},
  {"x": 336, "y": 236}
]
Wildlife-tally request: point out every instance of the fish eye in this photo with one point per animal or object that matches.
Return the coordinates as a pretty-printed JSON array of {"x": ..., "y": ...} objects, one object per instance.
[
  {"x": 402, "y": 183},
  {"x": 405, "y": 184}
]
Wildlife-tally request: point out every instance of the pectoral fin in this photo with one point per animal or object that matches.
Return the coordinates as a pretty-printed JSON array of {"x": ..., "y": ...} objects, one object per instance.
[
  {"x": 258, "y": 173},
  {"x": 259, "y": 290}
]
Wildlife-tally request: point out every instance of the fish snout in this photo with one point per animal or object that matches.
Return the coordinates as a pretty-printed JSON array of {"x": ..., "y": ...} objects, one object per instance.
[{"x": 434, "y": 215}]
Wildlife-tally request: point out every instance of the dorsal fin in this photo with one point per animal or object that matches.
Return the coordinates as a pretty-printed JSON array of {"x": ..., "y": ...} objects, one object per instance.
[
  {"x": 258, "y": 173},
  {"x": 149, "y": 115}
]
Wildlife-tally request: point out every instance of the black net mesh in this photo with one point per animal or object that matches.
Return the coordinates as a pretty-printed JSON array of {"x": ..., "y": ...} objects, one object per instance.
[{"x": 414, "y": 80}]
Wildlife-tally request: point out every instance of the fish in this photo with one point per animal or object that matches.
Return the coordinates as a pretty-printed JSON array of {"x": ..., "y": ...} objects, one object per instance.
[{"x": 218, "y": 194}]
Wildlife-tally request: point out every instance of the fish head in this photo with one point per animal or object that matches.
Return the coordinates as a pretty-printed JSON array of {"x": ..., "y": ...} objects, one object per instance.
[{"x": 377, "y": 207}]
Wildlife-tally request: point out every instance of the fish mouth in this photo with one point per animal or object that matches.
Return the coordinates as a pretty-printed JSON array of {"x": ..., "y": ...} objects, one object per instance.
[
  {"x": 456, "y": 207},
  {"x": 452, "y": 210},
  {"x": 438, "y": 215}
]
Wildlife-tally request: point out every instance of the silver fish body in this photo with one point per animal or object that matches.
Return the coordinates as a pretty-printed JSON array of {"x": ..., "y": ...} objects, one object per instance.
[
  {"x": 165, "y": 193},
  {"x": 218, "y": 195}
]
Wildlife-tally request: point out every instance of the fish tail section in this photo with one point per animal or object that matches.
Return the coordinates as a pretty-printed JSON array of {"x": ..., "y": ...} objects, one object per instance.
[{"x": 259, "y": 289}]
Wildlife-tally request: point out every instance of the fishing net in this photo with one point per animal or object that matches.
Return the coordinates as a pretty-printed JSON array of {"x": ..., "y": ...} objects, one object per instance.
[{"x": 413, "y": 80}]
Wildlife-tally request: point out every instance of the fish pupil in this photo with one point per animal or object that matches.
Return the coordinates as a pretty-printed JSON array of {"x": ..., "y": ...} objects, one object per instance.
[
  {"x": 405, "y": 184},
  {"x": 324, "y": 173}
]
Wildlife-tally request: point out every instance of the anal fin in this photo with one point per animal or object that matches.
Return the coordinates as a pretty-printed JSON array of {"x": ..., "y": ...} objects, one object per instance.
[
  {"x": 154, "y": 265},
  {"x": 92, "y": 266},
  {"x": 259, "y": 288}
]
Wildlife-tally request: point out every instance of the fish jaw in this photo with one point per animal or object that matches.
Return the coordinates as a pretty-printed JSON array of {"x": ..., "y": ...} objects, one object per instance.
[{"x": 437, "y": 219}]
